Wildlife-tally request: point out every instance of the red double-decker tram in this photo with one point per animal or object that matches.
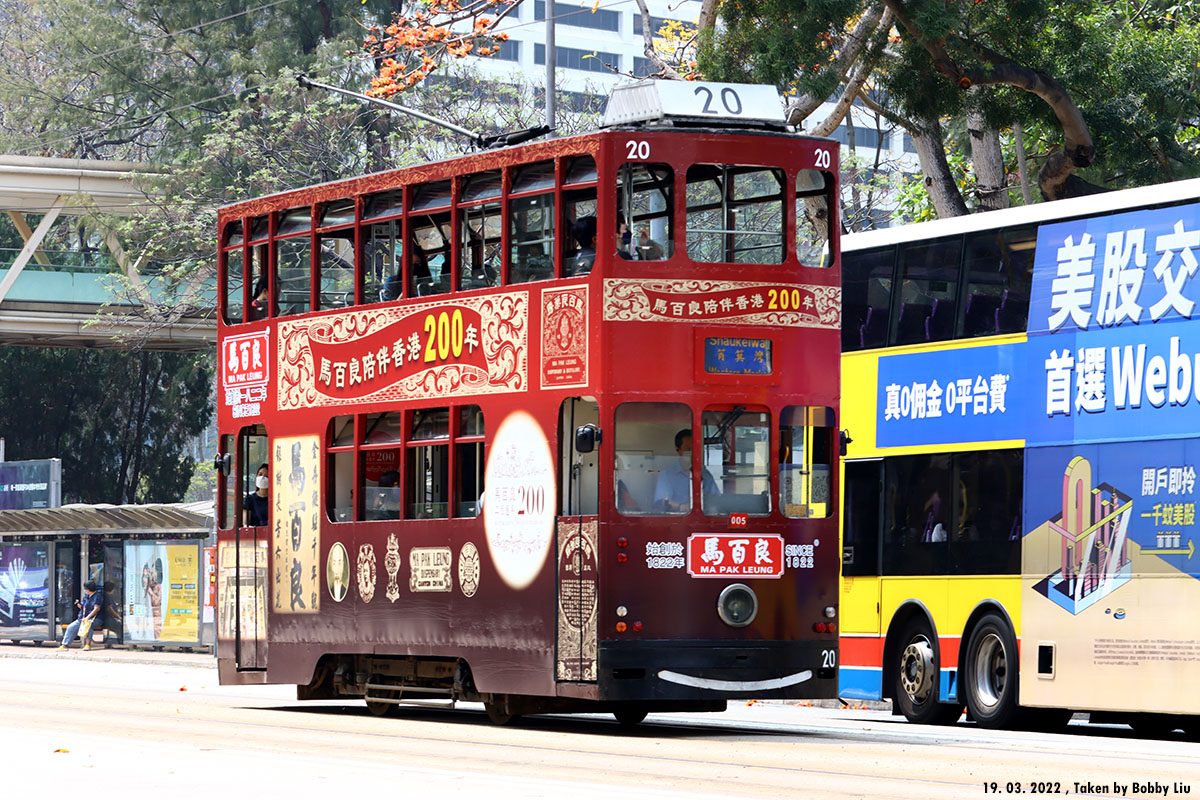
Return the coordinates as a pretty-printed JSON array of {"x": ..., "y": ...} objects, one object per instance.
[{"x": 551, "y": 427}]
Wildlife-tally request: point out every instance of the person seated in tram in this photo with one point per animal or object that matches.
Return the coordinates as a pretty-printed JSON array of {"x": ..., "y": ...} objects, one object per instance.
[
  {"x": 260, "y": 305},
  {"x": 673, "y": 494},
  {"x": 648, "y": 249},
  {"x": 584, "y": 231}
]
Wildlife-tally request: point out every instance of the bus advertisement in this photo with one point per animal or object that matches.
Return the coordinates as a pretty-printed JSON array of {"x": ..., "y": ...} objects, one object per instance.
[{"x": 1020, "y": 493}]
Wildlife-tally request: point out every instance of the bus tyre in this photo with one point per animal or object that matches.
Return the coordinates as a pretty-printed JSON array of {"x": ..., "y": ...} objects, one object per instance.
[
  {"x": 991, "y": 673},
  {"x": 916, "y": 689}
]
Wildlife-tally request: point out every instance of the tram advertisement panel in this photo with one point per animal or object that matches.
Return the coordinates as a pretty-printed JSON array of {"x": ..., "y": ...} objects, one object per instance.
[
  {"x": 1109, "y": 562},
  {"x": 387, "y": 353},
  {"x": 25, "y": 590},
  {"x": 162, "y": 593}
]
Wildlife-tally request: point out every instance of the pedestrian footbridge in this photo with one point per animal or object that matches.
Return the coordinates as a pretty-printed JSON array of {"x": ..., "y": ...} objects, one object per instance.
[{"x": 100, "y": 296}]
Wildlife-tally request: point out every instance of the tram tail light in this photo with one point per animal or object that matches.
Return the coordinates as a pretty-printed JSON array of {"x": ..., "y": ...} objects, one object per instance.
[
  {"x": 621, "y": 627},
  {"x": 825, "y": 627},
  {"x": 622, "y": 558},
  {"x": 637, "y": 626}
]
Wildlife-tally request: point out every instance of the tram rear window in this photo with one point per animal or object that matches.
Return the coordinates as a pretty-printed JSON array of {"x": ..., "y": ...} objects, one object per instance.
[{"x": 724, "y": 355}]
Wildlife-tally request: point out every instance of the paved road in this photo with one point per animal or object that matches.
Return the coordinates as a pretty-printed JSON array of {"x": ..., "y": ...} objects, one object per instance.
[{"x": 99, "y": 727}]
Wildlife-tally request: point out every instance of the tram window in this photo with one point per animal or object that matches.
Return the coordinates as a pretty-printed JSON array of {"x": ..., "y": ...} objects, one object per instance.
[
  {"x": 229, "y": 487},
  {"x": 533, "y": 178},
  {"x": 260, "y": 298},
  {"x": 381, "y": 483},
  {"x": 234, "y": 269},
  {"x": 339, "y": 212},
  {"x": 866, "y": 295},
  {"x": 484, "y": 186},
  {"x": 805, "y": 461},
  {"x": 531, "y": 234},
  {"x": 253, "y": 452},
  {"x": 999, "y": 274},
  {"x": 645, "y": 205},
  {"x": 917, "y": 514},
  {"x": 860, "y": 538},
  {"x": 432, "y": 195},
  {"x": 341, "y": 483},
  {"x": 259, "y": 228},
  {"x": 928, "y": 287},
  {"x": 384, "y": 204},
  {"x": 652, "y": 472},
  {"x": 812, "y": 219},
  {"x": 579, "y": 205},
  {"x": 468, "y": 461},
  {"x": 580, "y": 169},
  {"x": 293, "y": 259},
  {"x": 382, "y": 269},
  {"x": 736, "y": 460},
  {"x": 385, "y": 427},
  {"x": 337, "y": 269},
  {"x": 428, "y": 464},
  {"x": 429, "y": 262},
  {"x": 734, "y": 214},
  {"x": 343, "y": 432},
  {"x": 480, "y": 248}
]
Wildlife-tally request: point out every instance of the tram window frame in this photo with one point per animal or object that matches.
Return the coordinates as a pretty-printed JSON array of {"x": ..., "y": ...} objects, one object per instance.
[
  {"x": 531, "y": 258},
  {"x": 806, "y": 467},
  {"x": 644, "y": 450},
  {"x": 260, "y": 268},
  {"x": 253, "y": 451},
  {"x": 293, "y": 242},
  {"x": 382, "y": 441},
  {"x": 233, "y": 271},
  {"x": 628, "y": 189},
  {"x": 481, "y": 249},
  {"x": 383, "y": 260},
  {"x": 468, "y": 438},
  {"x": 732, "y": 204},
  {"x": 427, "y": 460},
  {"x": 337, "y": 263},
  {"x": 230, "y": 512},
  {"x": 422, "y": 226},
  {"x": 810, "y": 218},
  {"x": 340, "y": 454},
  {"x": 719, "y": 460}
]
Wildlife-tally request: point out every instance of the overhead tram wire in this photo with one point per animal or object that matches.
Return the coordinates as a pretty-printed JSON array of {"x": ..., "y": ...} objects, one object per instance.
[{"x": 34, "y": 149}]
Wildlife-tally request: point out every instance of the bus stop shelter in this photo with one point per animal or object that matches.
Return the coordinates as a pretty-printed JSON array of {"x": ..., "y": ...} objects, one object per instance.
[{"x": 154, "y": 564}]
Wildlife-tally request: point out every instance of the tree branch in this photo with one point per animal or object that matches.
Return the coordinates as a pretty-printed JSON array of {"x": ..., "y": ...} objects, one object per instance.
[
  {"x": 866, "y": 29},
  {"x": 658, "y": 61}
]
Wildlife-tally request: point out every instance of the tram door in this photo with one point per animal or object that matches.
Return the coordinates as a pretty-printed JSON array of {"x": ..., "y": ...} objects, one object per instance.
[
  {"x": 252, "y": 546},
  {"x": 575, "y": 543}
]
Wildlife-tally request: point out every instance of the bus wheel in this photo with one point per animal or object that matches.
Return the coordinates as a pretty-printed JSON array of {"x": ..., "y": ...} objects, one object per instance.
[
  {"x": 628, "y": 717},
  {"x": 991, "y": 679},
  {"x": 916, "y": 689},
  {"x": 1154, "y": 725}
]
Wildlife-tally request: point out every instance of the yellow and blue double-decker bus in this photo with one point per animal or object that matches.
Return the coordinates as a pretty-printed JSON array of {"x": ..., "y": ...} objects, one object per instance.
[{"x": 1021, "y": 399}]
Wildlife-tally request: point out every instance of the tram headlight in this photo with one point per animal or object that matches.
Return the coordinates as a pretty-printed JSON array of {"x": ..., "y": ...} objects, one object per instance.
[{"x": 738, "y": 605}]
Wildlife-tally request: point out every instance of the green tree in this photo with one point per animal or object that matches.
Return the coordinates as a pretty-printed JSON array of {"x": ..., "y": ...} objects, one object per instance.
[
  {"x": 1108, "y": 90},
  {"x": 119, "y": 421}
]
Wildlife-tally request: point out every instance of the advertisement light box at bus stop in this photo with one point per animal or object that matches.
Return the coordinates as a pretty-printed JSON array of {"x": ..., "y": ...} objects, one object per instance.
[{"x": 30, "y": 484}]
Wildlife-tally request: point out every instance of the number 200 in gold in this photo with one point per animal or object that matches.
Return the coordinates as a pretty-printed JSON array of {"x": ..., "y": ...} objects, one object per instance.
[{"x": 444, "y": 335}]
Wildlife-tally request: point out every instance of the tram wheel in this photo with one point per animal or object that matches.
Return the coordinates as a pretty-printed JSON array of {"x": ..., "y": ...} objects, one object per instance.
[
  {"x": 628, "y": 717},
  {"x": 381, "y": 709},
  {"x": 991, "y": 673},
  {"x": 498, "y": 713},
  {"x": 916, "y": 671}
]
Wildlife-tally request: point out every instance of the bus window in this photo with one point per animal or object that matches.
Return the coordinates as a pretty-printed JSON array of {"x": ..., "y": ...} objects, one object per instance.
[
  {"x": 480, "y": 247},
  {"x": 734, "y": 214},
  {"x": 805, "y": 459},
  {"x": 428, "y": 464},
  {"x": 736, "y": 460},
  {"x": 468, "y": 461},
  {"x": 429, "y": 261},
  {"x": 653, "y": 464},
  {"x": 999, "y": 274},
  {"x": 812, "y": 219},
  {"x": 866, "y": 296},
  {"x": 340, "y": 500},
  {"x": 234, "y": 273},
  {"x": 645, "y": 206},
  {"x": 860, "y": 539},
  {"x": 337, "y": 256},
  {"x": 928, "y": 287},
  {"x": 917, "y": 514},
  {"x": 383, "y": 277},
  {"x": 985, "y": 538},
  {"x": 293, "y": 260},
  {"x": 531, "y": 234}
]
